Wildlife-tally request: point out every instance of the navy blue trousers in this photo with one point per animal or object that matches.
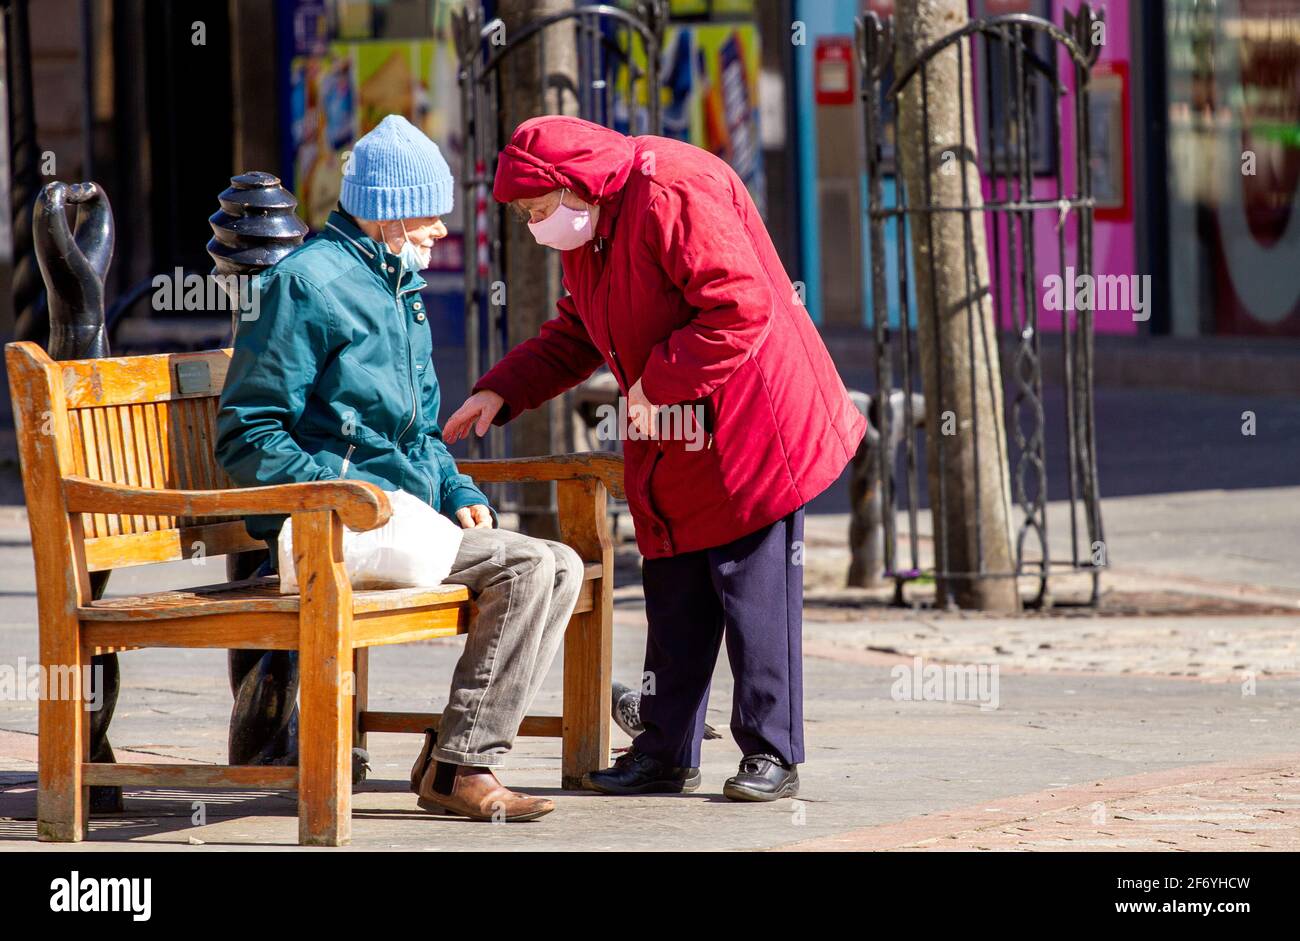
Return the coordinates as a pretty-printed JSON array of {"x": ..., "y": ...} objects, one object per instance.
[{"x": 750, "y": 593}]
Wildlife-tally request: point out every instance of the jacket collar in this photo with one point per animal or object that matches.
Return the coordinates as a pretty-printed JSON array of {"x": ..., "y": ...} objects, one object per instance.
[
  {"x": 342, "y": 229},
  {"x": 609, "y": 209}
]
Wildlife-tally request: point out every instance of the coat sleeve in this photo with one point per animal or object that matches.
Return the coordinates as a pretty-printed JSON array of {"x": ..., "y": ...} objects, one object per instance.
[
  {"x": 457, "y": 490},
  {"x": 701, "y": 240},
  {"x": 273, "y": 369},
  {"x": 557, "y": 359}
]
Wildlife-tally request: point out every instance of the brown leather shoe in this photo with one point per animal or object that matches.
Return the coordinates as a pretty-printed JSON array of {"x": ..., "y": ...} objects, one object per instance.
[
  {"x": 477, "y": 794},
  {"x": 423, "y": 761}
]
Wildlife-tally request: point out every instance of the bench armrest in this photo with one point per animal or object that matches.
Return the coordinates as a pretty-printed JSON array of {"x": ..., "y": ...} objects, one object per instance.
[
  {"x": 595, "y": 465},
  {"x": 360, "y": 505}
]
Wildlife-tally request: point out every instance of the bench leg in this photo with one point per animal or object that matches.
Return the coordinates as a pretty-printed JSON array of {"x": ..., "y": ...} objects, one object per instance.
[
  {"x": 588, "y": 642},
  {"x": 360, "y": 693},
  {"x": 62, "y": 800},
  {"x": 325, "y": 683},
  {"x": 587, "y": 646},
  {"x": 360, "y": 705}
]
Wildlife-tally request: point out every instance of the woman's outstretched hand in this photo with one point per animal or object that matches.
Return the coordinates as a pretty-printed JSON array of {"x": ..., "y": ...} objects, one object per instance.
[{"x": 477, "y": 413}]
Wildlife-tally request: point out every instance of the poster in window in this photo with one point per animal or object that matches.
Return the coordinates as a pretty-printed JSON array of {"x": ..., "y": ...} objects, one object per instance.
[{"x": 1109, "y": 141}]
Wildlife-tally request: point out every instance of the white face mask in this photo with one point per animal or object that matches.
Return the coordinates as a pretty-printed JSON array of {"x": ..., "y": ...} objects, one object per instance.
[
  {"x": 414, "y": 257},
  {"x": 564, "y": 229}
]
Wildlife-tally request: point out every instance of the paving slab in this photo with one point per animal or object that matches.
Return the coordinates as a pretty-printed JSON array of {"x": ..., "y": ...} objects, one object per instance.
[
  {"x": 1107, "y": 703},
  {"x": 872, "y": 760}
]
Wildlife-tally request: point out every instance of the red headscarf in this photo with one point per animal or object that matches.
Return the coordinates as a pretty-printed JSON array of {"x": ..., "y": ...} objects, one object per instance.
[{"x": 558, "y": 152}]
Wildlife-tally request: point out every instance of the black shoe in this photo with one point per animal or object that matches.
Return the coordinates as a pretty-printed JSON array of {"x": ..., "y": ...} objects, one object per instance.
[
  {"x": 641, "y": 774},
  {"x": 762, "y": 778}
]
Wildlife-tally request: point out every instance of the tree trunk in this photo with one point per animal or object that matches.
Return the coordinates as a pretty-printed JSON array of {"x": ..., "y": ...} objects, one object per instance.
[
  {"x": 533, "y": 272},
  {"x": 970, "y": 493}
]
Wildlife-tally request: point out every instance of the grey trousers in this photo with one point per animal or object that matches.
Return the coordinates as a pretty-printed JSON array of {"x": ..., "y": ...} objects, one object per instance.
[{"x": 526, "y": 589}]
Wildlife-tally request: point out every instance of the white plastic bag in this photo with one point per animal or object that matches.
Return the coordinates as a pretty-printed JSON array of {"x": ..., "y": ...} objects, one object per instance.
[{"x": 414, "y": 549}]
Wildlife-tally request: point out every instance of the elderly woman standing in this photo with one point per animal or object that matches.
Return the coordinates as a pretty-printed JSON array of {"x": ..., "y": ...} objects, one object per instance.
[{"x": 675, "y": 285}]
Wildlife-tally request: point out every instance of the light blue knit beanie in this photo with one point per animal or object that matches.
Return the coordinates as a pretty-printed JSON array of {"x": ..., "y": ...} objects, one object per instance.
[{"x": 396, "y": 172}]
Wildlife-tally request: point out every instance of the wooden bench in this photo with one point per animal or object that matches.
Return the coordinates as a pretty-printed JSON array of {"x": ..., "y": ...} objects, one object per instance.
[{"x": 118, "y": 469}]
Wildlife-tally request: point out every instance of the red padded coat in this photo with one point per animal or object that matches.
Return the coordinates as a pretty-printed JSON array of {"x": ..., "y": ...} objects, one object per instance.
[{"x": 682, "y": 289}]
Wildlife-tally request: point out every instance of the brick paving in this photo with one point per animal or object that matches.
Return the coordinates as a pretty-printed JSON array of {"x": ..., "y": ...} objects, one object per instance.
[{"x": 1235, "y": 806}]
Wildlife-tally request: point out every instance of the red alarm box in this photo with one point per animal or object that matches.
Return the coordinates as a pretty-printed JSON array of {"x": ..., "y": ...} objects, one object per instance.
[{"x": 833, "y": 71}]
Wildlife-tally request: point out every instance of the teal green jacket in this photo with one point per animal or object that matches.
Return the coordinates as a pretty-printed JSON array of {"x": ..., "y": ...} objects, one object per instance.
[{"x": 332, "y": 376}]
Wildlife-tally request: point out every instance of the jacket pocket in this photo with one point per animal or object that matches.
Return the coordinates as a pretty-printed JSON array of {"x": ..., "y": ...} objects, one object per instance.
[
  {"x": 640, "y": 464},
  {"x": 660, "y": 533},
  {"x": 649, "y": 479},
  {"x": 686, "y": 484},
  {"x": 707, "y": 419},
  {"x": 346, "y": 455}
]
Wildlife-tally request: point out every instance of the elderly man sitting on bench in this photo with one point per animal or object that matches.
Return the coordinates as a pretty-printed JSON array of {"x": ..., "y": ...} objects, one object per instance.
[{"x": 334, "y": 379}]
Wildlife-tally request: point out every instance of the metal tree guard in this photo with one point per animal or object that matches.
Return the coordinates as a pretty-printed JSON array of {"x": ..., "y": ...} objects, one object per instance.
[
  {"x": 611, "y": 45},
  {"x": 1011, "y": 45}
]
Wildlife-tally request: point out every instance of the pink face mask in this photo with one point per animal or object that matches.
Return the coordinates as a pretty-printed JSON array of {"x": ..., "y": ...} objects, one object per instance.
[{"x": 565, "y": 229}]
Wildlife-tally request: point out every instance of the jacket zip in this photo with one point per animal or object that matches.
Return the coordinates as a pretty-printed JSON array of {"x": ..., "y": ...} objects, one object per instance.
[
  {"x": 602, "y": 263},
  {"x": 410, "y": 366},
  {"x": 347, "y": 460},
  {"x": 410, "y": 372}
]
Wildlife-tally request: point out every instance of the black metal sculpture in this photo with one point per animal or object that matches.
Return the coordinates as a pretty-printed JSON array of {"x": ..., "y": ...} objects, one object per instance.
[
  {"x": 254, "y": 228},
  {"x": 866, "y": 505},
  {"x": 73, "y": 265}
]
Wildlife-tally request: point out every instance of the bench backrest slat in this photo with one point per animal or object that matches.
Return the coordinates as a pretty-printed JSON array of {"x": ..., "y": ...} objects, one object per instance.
[{"x": 144, "y": 421}]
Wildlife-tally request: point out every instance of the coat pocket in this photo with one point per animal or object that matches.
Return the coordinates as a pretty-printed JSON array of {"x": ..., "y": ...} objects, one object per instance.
[
  {"x": 640, "y": 467},
  {"x": 348, "y": 456},
  {"x": 686, "y": 484}
]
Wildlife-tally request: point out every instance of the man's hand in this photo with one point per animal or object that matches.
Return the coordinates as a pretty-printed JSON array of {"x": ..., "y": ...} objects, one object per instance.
[
  {"x": 641, "y": 412},
  {"x": 474, "y": 517},
  {"x": 477, "y": 413}
]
